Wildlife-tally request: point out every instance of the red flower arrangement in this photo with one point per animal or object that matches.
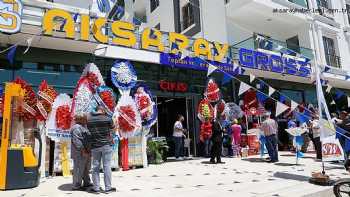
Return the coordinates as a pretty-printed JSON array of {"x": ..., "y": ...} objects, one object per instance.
[
  {"x": 205, "y": 110},
  {"x": 63, "y": 117},
  {"x": 213, "y": 91},
  {"x": 108, "y": 100},
  {"x": 206, "y": 131},
  {"x": 144, "y": 104},
  {"x": 93, "y": 80},
  {"x": 30, "y": 100},
  {"x": 220, "y": 107},
  {"x": 127, "y": 118},
  {"x": 47, "y": 95}
]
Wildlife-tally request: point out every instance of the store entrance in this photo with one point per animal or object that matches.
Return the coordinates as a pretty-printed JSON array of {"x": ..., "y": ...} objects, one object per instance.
[{"x": 168, "y": 110}]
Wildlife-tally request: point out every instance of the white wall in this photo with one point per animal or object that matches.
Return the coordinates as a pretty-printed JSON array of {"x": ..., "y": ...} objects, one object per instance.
[{"x": 214, "y": 20}]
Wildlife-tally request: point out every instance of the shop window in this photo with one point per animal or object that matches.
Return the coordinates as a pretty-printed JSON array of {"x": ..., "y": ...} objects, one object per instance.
[
  {"x": 154, "y": 4},
  {"x": 30, "y": 65},
  {"x": 187, "y": 16},
  {"x": 330, "y": 52}
]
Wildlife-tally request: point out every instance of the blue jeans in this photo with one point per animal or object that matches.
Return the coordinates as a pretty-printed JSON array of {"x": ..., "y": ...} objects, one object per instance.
[
  {"x": 178, "y": 147},
  {"x": 103, "y": 153},
  {"x": 271, "y": 145}
]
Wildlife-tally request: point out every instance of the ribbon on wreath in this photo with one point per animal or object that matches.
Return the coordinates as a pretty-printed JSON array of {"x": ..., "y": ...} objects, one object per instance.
[
  {"x": 262, "y": 140},
  {"x": 115, "y": 142},
  {"x": 298, "y": 143}
]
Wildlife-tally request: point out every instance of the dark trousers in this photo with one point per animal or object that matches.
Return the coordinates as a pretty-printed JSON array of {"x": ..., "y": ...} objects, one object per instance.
[
  {"x": 318, "y": 147},
  {"x": 178, "y": 147},
  {"x": 271, "y": 145},
  {"x": 207, "y": 144},
  {"x": 216, "y": 150}
]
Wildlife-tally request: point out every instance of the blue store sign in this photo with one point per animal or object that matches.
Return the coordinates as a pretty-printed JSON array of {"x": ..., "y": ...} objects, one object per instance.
[
  {"x": 247, "y": 58},
  {"x": 274, "y": 63},
  {"x": 194, "y": 63}
]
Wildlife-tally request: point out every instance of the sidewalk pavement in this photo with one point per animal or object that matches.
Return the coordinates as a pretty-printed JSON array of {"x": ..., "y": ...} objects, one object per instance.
[{"x": 237, "y": 177}]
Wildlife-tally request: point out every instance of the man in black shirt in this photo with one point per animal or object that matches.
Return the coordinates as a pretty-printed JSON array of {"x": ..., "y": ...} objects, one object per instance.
[
  {"x": 216, "y": 139},
  {"x": 101, "y": 127}
]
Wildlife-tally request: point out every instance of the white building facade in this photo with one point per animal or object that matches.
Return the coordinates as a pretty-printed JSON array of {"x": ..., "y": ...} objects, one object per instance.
[{"x": 315, "y": 29}]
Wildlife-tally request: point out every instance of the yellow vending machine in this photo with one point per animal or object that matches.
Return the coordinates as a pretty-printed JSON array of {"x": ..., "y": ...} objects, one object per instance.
[{"x": 19, "y": 167}]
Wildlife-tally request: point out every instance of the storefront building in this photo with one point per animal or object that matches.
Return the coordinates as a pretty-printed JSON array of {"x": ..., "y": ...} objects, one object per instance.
[{"x": 59, "y": 56}]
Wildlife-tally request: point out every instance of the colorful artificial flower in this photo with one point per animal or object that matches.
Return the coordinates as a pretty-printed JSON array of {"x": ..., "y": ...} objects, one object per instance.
[
  {"x": 82, "y": 97},
  {"x": 205, "y": 111},
  {"x": 63, "y": 117},
  {"x": 29, "y": 101},
  {"x": 46, "y": 96},
  {"x": 123, "y": 75},
  {"x": 212, "y": 91},
  {"x": 127, "y": 117},
  {"x": 146, "y": 106},
  {"x": 206, "y": 131}
]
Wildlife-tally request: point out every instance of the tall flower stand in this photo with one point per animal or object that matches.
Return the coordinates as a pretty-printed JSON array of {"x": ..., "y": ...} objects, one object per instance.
[{"x": 125, "y": 154}]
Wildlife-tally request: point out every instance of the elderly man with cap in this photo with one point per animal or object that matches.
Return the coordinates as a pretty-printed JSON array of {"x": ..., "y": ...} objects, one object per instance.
[{"x": 270, "y": 128}]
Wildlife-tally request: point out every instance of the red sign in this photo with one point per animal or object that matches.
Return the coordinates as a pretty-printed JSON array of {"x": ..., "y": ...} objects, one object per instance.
[{"x": 173, "y": 86}]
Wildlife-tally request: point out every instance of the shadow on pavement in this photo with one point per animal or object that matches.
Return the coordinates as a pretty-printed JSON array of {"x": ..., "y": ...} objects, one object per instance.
[
  {"x": 65, "y": 187},
  {"x": 289, "y": 176},
  {"x": 288, "y": 164},
  {"x": 207, "y": 162},
  {"x": 254, "y": 160}
]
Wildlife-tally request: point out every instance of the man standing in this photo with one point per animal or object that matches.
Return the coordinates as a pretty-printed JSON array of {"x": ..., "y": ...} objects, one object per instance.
[
  {"x": 270, "y": 128},
  {"x": 216, "y": 141},
  {"x": 101, "y": 128},
  {"x": 80, "y": 153},
  {"x": 178, "y": 134},
  {"x": 344, "y": 124}
]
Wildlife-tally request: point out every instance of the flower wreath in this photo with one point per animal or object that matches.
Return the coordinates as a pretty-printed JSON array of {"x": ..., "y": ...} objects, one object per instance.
[
  {"x": 123, "y": 75},
  {"x": 46, "y": 96},
  {"x": 146, "y": 106},
  {"x": 30, "y": 100},
  {"x": 127, "y": 117},
  {"x": 212, "y": 91}
]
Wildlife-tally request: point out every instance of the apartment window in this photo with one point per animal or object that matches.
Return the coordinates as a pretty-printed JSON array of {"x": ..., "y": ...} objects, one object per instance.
[
  {"x": 187, "y": 16},
  {"x": 154, "y": 4},
  {"x": 329, "y": 49}
]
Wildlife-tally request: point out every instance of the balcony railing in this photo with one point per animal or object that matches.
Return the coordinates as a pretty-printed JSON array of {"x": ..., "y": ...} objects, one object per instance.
[
  {"x": 271, "y": 45},
  {"x": 333, "y": 60}
]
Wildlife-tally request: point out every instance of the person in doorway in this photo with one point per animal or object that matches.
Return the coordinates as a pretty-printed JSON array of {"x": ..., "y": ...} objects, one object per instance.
[
  {"x": 216, "y": 140},
  {"x": 178, "y": 134},
  {"x": 236, "y": 137},
  {"x": 80, "y": 154},
  {"x": 316, "y": 135},
  {"x": 270, "y": 128},
  {"x": 101, "y": 128}
]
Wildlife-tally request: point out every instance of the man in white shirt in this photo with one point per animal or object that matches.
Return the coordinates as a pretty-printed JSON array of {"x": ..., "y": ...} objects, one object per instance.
[{"x": 178, "y": 134}]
